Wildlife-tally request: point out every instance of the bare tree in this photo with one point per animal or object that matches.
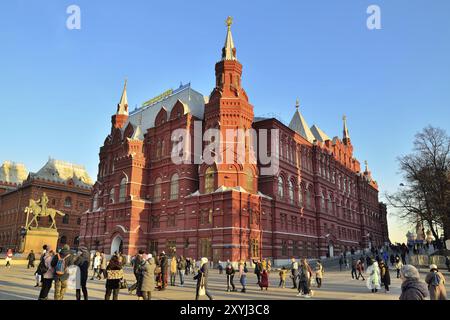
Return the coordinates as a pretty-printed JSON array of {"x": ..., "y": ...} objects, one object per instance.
[{"x": 425, "y": 197}]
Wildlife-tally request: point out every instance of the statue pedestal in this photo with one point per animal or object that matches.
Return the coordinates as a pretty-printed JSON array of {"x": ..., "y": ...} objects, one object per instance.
[{"x": 35, "y": 239}]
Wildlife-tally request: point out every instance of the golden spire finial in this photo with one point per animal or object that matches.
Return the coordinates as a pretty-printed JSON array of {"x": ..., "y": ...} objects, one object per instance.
[
  {"x": 297, "y": 103},
  {"x": 229, "y": 22}
]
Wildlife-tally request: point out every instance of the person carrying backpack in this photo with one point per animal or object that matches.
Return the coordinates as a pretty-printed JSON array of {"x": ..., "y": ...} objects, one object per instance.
[
  {"x": 60, "y": 262},
  {"x": 436, "y": 284},
  {"x": 47, "y": 273}
]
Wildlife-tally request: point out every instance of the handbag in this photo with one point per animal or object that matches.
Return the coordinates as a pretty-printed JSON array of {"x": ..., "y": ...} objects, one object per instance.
[
  {"x": 123, "y": 284},
  {"x": 202, "y": 288}
]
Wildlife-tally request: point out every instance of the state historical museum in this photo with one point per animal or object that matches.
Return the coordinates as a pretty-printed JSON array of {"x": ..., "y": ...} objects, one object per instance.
[{"x": 318, "y": 203}]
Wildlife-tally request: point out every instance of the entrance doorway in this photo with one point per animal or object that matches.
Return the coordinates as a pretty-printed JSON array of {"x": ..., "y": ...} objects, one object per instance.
[
  {"x": 330, "y": 250},
  {"x": 117, "y": 244}
]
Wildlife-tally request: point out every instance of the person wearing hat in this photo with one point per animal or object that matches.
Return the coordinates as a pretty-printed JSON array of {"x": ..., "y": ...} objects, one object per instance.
[
  {"x": 82, "y": 260},
  {"x": 164, "y": 266},
  {"x": 412, "y": 287},
  {"x": 202, "y": 280},
  {"x": 436, "y": 284},
  {"x": 373, "y": 280}
]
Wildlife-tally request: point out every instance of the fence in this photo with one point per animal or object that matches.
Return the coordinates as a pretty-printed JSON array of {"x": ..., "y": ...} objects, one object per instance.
[{"x": 421, "y": 260}]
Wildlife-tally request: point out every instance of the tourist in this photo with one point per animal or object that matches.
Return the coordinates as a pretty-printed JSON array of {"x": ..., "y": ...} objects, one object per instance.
[
  {"x": 164, "y": 266},
  {"x": 181, "y": 266},
  {"x": 263, "y": 265},
  {"x": 148, "y": 277},
  {"x": 194, "y": 266},
  {"x": 74, "y": 279},
  {"x": 392, "y": 259},
  {"x": 103, "y": 266},
  {"x": 8, "y": 258},
  {"x": 386, "y": 257},
  {"x": 369, "y": 261},
  {"x": 257, "y": 270},
  {"x": 264, "y": 283},
  {"x": 373, "y": 280},
  {"x": 385, "y": 276},
  {"x": 31, "y": 257},
  {"x": 398, "y": 266},
  {"x": 97, "y": 262},
  {"x": 114, "y": 274},
  {"x": 60, "y": 262},
  {"x": 136, "y": 263},
  {"x": 188, "y": 266},
  {"x": 229, "y": 271},
  {"x": 202, "y": 280},
  {"x": 46, "y": 270},
  {"x": 294, "y": 272},
  {"x": 436, "y": 284},
  {"x": 38, "y": 278},
  {"x": 282, "y": 274},
  {"x": 360, "y": 269},
  {"x": 173, "y": 270},
  {"x": 412, "y": 287},
  {"x": 82, "y": 261},
  {"x": 354, "y": 274},
  {"x": 220, "y": 267},
  {"x": 341, "y": 262},
  {"x": 243, "y": 275},
  {"x": 319, "y": 273},
  {"x": 304, "y": 276},
  {"x": 269, "y": 265}
]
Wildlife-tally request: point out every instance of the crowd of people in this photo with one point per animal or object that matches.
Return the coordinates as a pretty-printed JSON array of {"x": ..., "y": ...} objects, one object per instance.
[{"x": 68, "y": 270}]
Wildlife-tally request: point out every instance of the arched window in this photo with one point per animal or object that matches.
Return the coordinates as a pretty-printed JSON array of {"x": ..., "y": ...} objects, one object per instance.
[
  {"x": 291, "y": 191},
  {"x": 68, "y": 202},
  {"x": 158, "y": 149},
  {"x": 280, "y": 187},
  {"x": 123, "y": 190},
  {"x": 162, "y": 149},
  {"x": 157, "y": 190},
  {"x": 300, "y": 195},
  {"x": 308, "y": 198},
  {"x": 65, "y": 219},
  {"x": 95, "y": 202},
  {"x": 174, "y": 187},
  {"x": 209, "y": 180},
  {"x": 322, "y": 202},
  {"x": 112, "y": 196}
]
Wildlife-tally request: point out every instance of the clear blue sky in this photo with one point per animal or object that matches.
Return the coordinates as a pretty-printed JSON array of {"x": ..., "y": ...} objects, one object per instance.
[{"x": 59, "y": 87}]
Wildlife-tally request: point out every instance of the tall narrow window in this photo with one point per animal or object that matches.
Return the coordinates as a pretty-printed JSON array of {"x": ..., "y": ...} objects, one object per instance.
[
  {"x": 300, "y": 196},
  {"x": 280, "y": 187},
  {"x": 68, "y": 202},
  {"x": 112, "y": 196},
  {"x": 123, "y": 190},
  {"x": 174, "y": 187},
  {"x": 157, "y": 190},
  {"x": 291, "y": 191},
  {"x": 95, "y": 202},
  {"x": 209, "y": 180}
]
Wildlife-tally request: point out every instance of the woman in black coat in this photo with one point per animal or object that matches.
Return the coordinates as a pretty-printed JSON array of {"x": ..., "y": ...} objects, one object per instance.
[
  {"x": 385, "y": 276},
  {"x": 114, "y": 274},
  {"x": 83, "y": 261},
  {"x": 202, "y": 277}
]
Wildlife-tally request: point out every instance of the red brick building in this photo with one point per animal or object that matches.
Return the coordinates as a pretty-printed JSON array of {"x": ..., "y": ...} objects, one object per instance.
[
  {"x": 319, "y": 202},
  {"x": 68, "y": 188}
]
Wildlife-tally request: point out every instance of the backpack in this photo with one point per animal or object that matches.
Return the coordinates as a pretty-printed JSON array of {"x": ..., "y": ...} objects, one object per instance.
[
  {"x": 60, "y": 268},
  {"x": 436, "y": 280},
  {"x": 42, "y": 268}
]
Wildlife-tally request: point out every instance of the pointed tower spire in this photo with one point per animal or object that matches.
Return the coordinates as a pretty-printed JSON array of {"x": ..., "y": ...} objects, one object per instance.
[
  {"x": 298, "y": 124},
  {"x": 229, "y": 51},
  {"x": 367, "y": 166},
  {"x": 122, "y": 107},
  {"x": 346, "y": 137}
]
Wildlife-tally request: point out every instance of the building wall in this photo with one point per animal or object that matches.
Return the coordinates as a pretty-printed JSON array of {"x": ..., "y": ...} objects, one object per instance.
[{"x": 13, "y": 203}]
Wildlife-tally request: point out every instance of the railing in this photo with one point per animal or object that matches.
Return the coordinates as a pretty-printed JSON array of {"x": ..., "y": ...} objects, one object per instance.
[{"x": 421, "y": 260}]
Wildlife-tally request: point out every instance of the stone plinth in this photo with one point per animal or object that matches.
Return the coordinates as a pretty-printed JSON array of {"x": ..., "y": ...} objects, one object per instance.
[{"x": 35, "y": 239}]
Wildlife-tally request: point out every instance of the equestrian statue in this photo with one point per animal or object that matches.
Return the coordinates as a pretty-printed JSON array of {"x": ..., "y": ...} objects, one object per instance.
[{"x": 39, "y": 209}]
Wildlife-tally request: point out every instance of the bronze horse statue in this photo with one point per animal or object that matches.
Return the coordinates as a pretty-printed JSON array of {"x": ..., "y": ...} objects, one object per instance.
[{"x": 37, "y": 211}]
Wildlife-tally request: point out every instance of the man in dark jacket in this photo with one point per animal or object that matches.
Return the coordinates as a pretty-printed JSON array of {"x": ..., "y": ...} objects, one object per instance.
[
  {"x": 258, "y": 270},
  {"x": 31, "y": 257},
  {"x": 202, "y": 278},
  {"x": 181, "y": 267},
  {"x": 164, "y": 264},
  {"x": 230, "y": 271},
  {"x": 83, "y": 261},
  {"x": 60, "y": 262},
  {"x": 412, "y": 287}
]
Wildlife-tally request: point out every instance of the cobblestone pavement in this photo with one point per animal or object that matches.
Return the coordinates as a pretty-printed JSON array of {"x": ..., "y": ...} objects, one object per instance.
[{"x": 16, "y": 283}]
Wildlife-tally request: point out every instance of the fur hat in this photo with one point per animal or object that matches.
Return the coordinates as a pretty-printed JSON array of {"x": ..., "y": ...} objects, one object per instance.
[
  {"x": 433, "y": 267},
  {"x": 410, "y": 272}
]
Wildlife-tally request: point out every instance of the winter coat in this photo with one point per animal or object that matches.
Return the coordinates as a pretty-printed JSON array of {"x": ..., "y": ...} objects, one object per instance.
[
  {"x": 373, "y": 280},
  {"x": 319, "y": 271},
  {"x": 64, "y": 254},
  {"x": 243, "y": 275},
  {"x": 114, "y": 275},
  {"x": 50, "y": 271},
  {"x": 229, "y": 270},
  {"x": 163, "y": 264},
  {"x": 304, "y": 273},
  {"x": 181, "y": 264},
  {"x": 103, "y": 264},
  {"x": 83, "y": 262},
  {"x": 148, "y": 275},
  {"x": 282, "y": 274},
  {"x": 97, "y": 262},
  {"x": 202, "y": 272},
  {"x": 413, "y": 289},
  {"x": 398, "y": 265},
  {"x": 436, "y": 292},
  {"x": 173, "y": 265},
  {"x": 385, "y": 276},
  {"x": 264, "y": 283},
  {"x": 31, "y": 257}
]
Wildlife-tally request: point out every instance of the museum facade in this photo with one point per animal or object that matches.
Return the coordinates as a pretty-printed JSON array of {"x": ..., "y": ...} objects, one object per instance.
[{"x": 319, "y": 202}]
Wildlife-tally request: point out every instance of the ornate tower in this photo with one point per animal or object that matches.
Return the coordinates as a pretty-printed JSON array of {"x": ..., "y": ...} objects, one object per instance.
[
  {"x": 228, "y": 110},
  {"x": 120, "y": 118}
]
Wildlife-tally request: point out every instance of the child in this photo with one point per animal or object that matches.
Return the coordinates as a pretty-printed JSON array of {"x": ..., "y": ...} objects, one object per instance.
[
  {"x": 283, "y": 273},
  {"x": 264, "y": 283}
]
